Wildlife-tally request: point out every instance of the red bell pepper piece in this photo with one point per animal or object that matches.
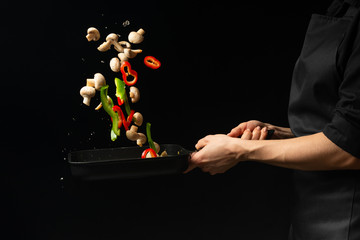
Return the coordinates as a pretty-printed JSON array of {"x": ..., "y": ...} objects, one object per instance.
[
  {"x": 127, "y": 72},
  {"x": 119, "y": 112},
  {"x": 121, "y": 116},
  {"x": 120, "y": 101},
  {"x": 122, "y": 120},
  {"x": 152, "y": 62},
  {"x": 130, "y": 117},
  {"x": 149, "y": 150}
]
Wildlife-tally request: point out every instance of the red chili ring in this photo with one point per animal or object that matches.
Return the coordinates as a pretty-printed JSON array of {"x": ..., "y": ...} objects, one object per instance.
[{"x": 152, "y": 62}]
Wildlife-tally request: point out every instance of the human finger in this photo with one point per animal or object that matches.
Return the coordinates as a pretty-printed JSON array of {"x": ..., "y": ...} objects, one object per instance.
[
  {"x": 264, "y": 133},
  {"x": 202, "y": 143},
  {"x": 256, "y": 133},
  {"x": 246, "y": 135},
  {"x": 238, "y": 130}
]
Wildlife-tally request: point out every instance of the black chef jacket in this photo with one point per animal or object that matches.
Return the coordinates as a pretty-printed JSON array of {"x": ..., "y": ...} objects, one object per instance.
[
  {"x": 325, "y": 97},
  {"x": 332, "y": 106}
]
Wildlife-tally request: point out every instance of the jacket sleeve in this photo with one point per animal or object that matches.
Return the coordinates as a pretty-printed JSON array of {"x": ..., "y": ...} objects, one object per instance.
[{"x": 344, "y": 129}]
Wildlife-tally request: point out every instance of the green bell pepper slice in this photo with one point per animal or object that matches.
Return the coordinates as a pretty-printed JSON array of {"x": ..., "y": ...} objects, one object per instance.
[
  {"x": 121, "y": 93},
  {"x": 108, "y": 107},
  {"x": 148, "y": 135}
]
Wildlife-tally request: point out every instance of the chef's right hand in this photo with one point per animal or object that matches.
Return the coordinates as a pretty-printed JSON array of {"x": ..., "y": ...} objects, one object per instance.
[{"x": 250, "y": 130}]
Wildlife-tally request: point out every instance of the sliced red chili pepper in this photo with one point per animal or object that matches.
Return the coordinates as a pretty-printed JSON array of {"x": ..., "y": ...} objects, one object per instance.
[
  {"x": 120, "y": 101},
  {"x": 126, "y": 126},
  {"x": 122, "y": 120},
  {"x": 130, "y": 117},
  {"x": 127, "y": 72},
  {"x": 119, "y": 112},
  {"x": 152, "y": 62},
  {"x": 149, "y": 150}
]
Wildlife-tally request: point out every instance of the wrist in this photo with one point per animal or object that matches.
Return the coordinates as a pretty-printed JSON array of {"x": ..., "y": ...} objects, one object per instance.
[{"x": 242, "y": 149}]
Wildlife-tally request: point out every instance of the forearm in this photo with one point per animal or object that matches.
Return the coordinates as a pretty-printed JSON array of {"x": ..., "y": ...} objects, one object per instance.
[{"x": 313, "y": 152}]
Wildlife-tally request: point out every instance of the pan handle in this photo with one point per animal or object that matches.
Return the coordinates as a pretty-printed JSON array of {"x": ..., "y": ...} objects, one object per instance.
[{"x": 270, "y": 133}]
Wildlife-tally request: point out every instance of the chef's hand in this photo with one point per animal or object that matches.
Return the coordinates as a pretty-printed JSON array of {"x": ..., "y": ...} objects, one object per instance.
[
  {"x": 215, "y": 154},
  {"x": 250, "y": 130}
]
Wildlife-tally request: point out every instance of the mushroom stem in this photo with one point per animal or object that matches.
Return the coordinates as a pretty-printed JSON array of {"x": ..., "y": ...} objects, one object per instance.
[
  {"x": 130, "y": 53},
  {"x": 90, "y": 82},
  {"x": 141, "y": 31},
  {"x": 86, "y": 101},
  {"x": 104, "y": 46}
]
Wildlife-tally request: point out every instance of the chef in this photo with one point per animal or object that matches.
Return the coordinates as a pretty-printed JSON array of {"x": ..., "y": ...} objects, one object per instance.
[{"x": 322, "y": 144}]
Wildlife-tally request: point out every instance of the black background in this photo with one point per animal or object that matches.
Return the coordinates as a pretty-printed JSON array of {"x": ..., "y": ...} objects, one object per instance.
[{"x": 223, "y": 63}]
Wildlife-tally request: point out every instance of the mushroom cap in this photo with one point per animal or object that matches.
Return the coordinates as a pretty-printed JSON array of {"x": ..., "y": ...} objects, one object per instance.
[
  {"x": 136, "y": 37},
  {"x": 132, "y": 134},
  {"x": 112, "y": 37},
  {"x": 135, "y": 94},
  {"x": 122, "y": 57},
  {"x": 115, "y": 64},
  {"x": 93, "y": 34},
  {"x": 99, "y": 81},
  {"x": 87, "y": 91},
  {"x": 138, "y": 118},
  {"x": 157, "y": 147}
]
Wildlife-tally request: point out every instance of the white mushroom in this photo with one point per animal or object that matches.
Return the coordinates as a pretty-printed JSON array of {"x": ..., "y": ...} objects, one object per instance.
[
  {"x": 164, "y": 154},
  {"x": 136, "y": 37},
  {"x": 157, "y": 147},
  {"x": 123, "y": 58},
  {"x": 141, "y": 140},
  {"x": 111, "y": 39},
  {"x": 115, "y": 64},
  {"x": 138, "y": 118},
  {"x": 133, "y": 135},
  {"x": 93, "y": 34},
  {"x": 134, "y": 94},
  {"x": 125, "y": 44},
  {"x": 87, "y": 93},
  {"x": 98, "y": 81},
  {"x": 129, "y": 53}
]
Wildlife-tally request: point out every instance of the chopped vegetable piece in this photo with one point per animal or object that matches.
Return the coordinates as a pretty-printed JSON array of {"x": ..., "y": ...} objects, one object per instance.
[
  {"x": 113, "y": 135},
  {"x": 127, "y": 72},
  {"x": 121, "y": 93},
  {"x": 149, "y": 150},
  {"x": 108, "y": 107},
  {"x": 121, "y": 115},
  {"x": 120, "y": 119},
  {"x": 152, "y": 62},
  {"x": 130, "y": 117},
  {"x": 148, "y": 134},
  {"x": 120, "y": 101},
  {"x": 164, "y": 154}
]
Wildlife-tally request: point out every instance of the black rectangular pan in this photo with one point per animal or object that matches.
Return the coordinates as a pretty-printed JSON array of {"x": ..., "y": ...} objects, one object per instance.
[{"x": 126, "y": 162}]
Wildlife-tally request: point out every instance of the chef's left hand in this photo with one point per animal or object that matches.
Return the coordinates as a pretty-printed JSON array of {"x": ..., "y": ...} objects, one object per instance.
[{"x": 215, "y": 154}]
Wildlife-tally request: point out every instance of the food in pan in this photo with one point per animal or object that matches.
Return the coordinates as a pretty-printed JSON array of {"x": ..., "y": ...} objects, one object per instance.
[{"x": 120, "y": 111}]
